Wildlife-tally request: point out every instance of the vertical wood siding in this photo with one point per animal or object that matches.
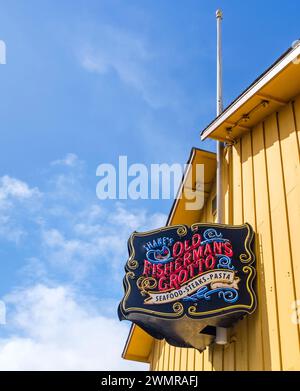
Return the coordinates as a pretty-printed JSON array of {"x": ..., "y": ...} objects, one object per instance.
[{"x": 262, "y": 187}]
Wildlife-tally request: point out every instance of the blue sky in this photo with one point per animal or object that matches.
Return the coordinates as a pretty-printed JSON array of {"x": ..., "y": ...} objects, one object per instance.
[{"x": 85, "y": 82}]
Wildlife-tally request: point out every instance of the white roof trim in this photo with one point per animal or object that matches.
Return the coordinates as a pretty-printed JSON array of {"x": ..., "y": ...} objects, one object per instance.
[{"x": 266, "y": 78}]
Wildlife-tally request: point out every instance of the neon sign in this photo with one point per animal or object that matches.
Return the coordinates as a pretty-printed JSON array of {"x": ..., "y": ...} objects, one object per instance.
[{"x": 176, "y": 275}]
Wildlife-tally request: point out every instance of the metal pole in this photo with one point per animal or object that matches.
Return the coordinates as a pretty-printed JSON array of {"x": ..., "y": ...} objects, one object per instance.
[
  {"x": 220, "y": 145},
  {"x": 221, "y": 332}
]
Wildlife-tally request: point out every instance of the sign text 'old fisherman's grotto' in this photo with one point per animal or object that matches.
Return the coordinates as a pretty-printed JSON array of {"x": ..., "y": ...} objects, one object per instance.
[{"x": 180, "y": 282}]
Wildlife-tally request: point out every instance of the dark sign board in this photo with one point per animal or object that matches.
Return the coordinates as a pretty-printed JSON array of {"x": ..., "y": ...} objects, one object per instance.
[{"x": 180, "y": 282}]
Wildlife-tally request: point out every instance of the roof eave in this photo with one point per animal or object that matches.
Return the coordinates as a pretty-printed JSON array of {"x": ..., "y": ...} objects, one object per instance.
[{"x": 270, "y": 74}]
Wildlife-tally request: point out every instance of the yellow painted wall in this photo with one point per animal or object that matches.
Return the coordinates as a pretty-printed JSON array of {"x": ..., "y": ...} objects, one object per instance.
[{"x": 262, "y": 187}]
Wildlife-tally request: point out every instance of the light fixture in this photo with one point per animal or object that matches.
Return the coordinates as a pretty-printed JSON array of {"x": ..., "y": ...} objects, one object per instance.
[{"x": 221, "y": 336}]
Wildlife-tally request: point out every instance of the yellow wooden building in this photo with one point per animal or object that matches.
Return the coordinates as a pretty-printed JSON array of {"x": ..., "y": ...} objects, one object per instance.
[{"x": 261, "y": 184}]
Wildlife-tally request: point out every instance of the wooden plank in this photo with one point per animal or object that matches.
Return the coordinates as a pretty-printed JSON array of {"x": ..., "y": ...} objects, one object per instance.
[
  {"x": 255, "y": 351},
  {"x": 204, "y": 213},
  {"x": 227, "y": 186},
  {"x": 208, "y": 208},
  {"x": 291, "y": 179},
  {"x": 166, "y": 356},
  {"x": 151, "y": 358},
  {"x": 217, "y": 358},
  {"x": 155, "y": 355},
  {"x": 198, "y": 361},
  {"x": 296, "y": 113},
  {"x": 172, "y": 358},
  {"x": 281, "y": 247},
  {"x": 191, "y": 359},
  {"x": 268, "y": 299},
  {"x": 241, "y": 329},
  {"x": 229, "y": 357},
  {"x": 177, "y": 359},
  {"x": 207, "y": 359},
  {"x": 183, "y": 359},
  {"x": 161, "y": 356}
]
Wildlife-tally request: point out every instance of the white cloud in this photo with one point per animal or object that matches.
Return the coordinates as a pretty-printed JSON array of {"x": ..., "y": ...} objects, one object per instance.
[
  {"x": 75, "y": 243},
  {"x": 15, "y": 188},
  {"x": 71, "y": 160},
  {"x": 97, "y": 237},
  {"x": 10, "y": 230},
  {"x": 15, "y": 197},
  {"x": 134, "y": 61},
  {"x": 67, "y": 242},
  {"x": 136, "y": 219},
  {"x": 55, "y": 330},
  {"x": 121, "y": 51},
  {"x": 33, "y": 270}
]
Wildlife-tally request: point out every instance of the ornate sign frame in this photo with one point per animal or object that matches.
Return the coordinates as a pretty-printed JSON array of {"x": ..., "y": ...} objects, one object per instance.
[{"x": 203, "y": 272}]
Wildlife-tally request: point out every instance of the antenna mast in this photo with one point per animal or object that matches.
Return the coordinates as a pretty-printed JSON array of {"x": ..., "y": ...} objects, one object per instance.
[
  {"x": 221, "y": 332},
  {"x": 220, "y": 145}
]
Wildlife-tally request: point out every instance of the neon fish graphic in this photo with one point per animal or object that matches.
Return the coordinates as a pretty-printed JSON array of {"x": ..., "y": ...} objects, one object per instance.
[{"x": 159, "y": 256}]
